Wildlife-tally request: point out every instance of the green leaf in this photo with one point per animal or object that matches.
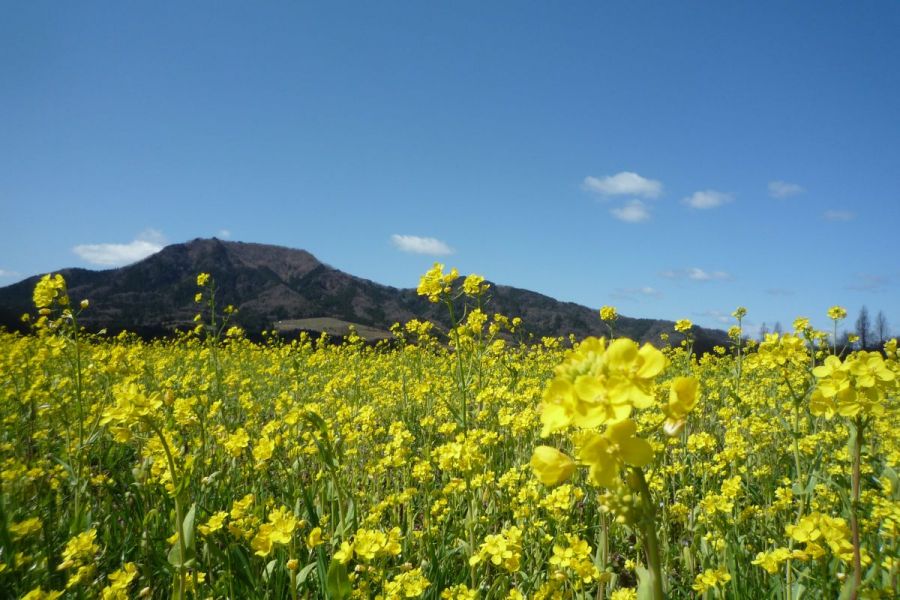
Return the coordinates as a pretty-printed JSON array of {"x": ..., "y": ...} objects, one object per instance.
[
  {"x": 304, "y": 573},
  {"x": 188, "y": 527},
  {"x": 848, "y": 588},
  {"x": 176, "y": 560},
  {"x": 267, "y": 572},
  {"x": 337, "y": 583},
  {"x": 190, "y": 555},
  {"x": 644, "y": 587}
]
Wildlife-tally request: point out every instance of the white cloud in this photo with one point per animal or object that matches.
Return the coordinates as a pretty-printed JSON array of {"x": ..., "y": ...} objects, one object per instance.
[
  {"x": 148, "y": 242},
  {"x": 225, "y": 234},
  {"x": 695, "y": 274},
  {"x": 420, "y": 245},
  {"x": 636, "y": 293},
  {"x": 701, "y": 275},
  {"x": 839, "y": 215},
  {"x": 783, "y": 189},
  {"x": 625, "y": 183},
  {"x": 707, "y": 199},
  {"x": 5, "y": 273},
  {"x": 634, "y": 211}
]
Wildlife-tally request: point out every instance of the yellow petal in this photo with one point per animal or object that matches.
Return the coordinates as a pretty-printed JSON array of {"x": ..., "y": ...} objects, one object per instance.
[
  {"x": 551, "y": 466},
  {"x": 653, "y": 362},
  {"x": 636, "y": 451}
]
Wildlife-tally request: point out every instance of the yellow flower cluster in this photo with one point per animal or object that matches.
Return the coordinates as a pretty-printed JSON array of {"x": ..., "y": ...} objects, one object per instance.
[
  {"x": 711, "y": 579},
  {"x": 50, "y": 289},
  {"x": 575, "y": 558},
  {"x": 502, "y": 550},
  {"x": 474, "y": 285},
  {"x": 683, "y": 325},
  {"x": 369, "y": 544},
  {"x": 853, "y": 386},
  {"x": 460, "y": 462},
  {"x": 279, "y": 530},
  {"x": 837, "y": 313},
  {"x": 597, "y": 384},
  {"x": 435, "y": 284},
  {"x": 78, "y": 557},
  {"x": 409, "y": 584}
]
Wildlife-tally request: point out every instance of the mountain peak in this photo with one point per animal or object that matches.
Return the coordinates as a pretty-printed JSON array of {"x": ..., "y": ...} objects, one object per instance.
[
  {"x": 275, "y": 284},
  {"x": 285, "y": 262}
]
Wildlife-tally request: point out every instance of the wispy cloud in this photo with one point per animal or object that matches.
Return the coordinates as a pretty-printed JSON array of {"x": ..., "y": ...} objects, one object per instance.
[
  {"x": 636, "y": 293},
  {"x": 695, "y": 274},
  {"x": 701, "y": 275},
  {"x": 5, "y": 273},
  {"x": 868, "y": 282},
  {"x": 634, "y": 211},
  {"x": 783, "y": 189},
  {"x": 718, "y": 316},
  {"x": 625, "y": 183},
  {"x": 707, "y": 199},
  {"x": 225, "y": 234},
  {"x": 420, "y": 245},
  {"x": 148, "y": 242},
  {"x": 838, "y": 215}
]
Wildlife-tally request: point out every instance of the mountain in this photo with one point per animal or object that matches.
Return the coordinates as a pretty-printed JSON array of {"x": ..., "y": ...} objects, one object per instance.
[{"x": 274, "y": 284}]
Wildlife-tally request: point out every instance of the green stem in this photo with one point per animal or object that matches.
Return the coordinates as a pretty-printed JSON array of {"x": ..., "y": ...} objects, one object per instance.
[
  {"x": 651, "y": 542},
  {"x": 179, "y": 517},
  {"x": 459, "y": 367},
  {"x": 854, "y": 508}
]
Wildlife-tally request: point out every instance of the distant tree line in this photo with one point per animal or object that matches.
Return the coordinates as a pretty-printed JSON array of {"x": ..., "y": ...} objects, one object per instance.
[{"x": 867, "y": 334}]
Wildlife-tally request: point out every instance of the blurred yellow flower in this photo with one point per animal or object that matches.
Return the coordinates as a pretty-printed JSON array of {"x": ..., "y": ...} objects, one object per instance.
[
  {"x": 551, "y": 466},
  {"x": 837, "y": 313}
]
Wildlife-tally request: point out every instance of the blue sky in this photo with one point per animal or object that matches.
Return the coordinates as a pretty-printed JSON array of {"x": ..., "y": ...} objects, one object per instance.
[{"x": 673, "y": 159}]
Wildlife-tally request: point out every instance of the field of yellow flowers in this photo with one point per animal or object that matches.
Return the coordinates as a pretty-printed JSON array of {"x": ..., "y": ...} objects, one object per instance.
[{"x": 457, "y": 464}]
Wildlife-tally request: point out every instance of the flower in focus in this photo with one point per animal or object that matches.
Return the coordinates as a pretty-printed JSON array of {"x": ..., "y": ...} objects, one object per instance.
[
  {"x": 278, "y": 530},
  {"x": 683, "y": 325},
  {"x": 474, "y": 285},
  {"x": 597, "y": 384},
  {"x": 711, "y": 578},
  {"x": 608, "y": 313},
  {"x": 214, "y": 523},
  {"x": 48, "y": 289},
  {"x": 855, "y": 385},
  {"x": 119, "y": 582},
  {"x": 435, "y": 283}
]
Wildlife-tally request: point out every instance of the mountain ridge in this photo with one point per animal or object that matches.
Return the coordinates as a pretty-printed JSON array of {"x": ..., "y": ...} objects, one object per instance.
[{"x": 268, "y": 284}]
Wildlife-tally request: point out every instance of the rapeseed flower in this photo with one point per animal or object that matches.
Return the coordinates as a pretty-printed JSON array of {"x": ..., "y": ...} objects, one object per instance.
[
  {"x": 551, "y": 466},
  {"x": 597, "y": 384},
  {"x": 683, "y": 325},
  {"x": 435, "y": 284},
  {"x": 608, "y": 313},
  {"x": 608, "y": 452}
]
